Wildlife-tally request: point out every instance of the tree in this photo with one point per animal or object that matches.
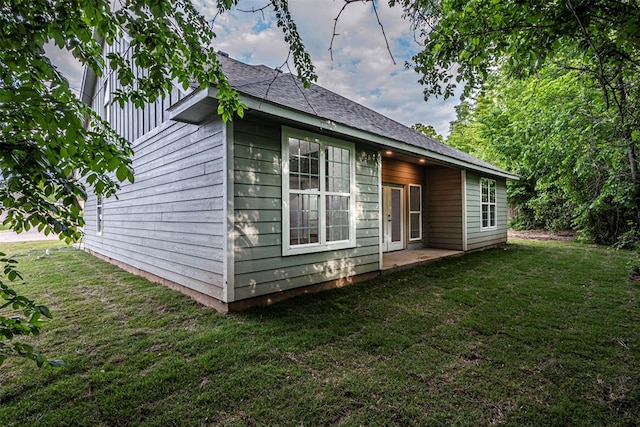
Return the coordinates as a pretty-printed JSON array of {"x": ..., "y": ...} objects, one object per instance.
[
  {"x": 53, "y": 147},
  {"x": 465, "y": 41},
  {"x": 465, "y": 130},
  {"x": 427, "y": 130},
  {"x": 554, "y": 131}
]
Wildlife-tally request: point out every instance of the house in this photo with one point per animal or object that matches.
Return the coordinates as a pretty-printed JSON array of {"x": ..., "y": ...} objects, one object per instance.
[{"x": 308, "y": 191}]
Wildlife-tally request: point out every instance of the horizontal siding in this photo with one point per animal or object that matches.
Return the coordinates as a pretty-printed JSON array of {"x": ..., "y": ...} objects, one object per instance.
[
  {"x": 402, "y": 173},
  {"x": 259, "y": 267},
  {"x": 444, "y": 208},
  {"x": 278, "y": 280},
  {"x": 171, "y": 221},
  {"x": 476, "y": 237},
  {"x": 397, "y": 172}
]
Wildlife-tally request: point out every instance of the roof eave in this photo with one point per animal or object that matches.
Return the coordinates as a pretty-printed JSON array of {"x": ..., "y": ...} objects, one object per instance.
[
  {"x": 328, "y": 125},
  {"x": 196, "y": 107},
  {"x": 200, "y": 105},
  {"x": 89, "y": 78}
]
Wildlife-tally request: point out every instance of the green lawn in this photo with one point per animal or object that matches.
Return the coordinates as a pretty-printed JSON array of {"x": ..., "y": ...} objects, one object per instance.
[{"x": 535, "y": 333}]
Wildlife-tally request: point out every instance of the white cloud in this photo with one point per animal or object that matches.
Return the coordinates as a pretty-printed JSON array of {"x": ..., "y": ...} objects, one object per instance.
[
  {"x": 70, "y": 67},
  {"x": 361, "y": 69}
]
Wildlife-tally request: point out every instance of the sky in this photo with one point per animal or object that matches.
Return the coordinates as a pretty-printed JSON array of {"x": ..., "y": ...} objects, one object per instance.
[{"x": 362, "y": 68}]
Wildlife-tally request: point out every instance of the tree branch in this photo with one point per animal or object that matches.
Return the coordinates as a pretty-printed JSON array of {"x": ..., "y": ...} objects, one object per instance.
[
  {"x": 335, "y": 25},
  {"x": 375, "y": 11},
  {"x": 601, "y": 77},
  {"x": 255, "y": 10}
]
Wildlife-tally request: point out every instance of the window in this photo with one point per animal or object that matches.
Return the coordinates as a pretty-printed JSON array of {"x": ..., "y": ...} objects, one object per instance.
[
  {"x": 415, "y": 212},
  {"x": 99, "y": 215},
  {"x": 488, "y": 202},
  {"x": 106, "y": 104},
  {"x": 318, "y": 193}
]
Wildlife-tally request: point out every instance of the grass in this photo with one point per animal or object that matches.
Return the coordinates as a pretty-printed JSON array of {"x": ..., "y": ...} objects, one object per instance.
[{"x": 535, "y": 333}]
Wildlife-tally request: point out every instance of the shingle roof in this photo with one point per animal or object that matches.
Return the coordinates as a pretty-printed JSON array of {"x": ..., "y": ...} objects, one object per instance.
[{"x": 286, "y": 90}]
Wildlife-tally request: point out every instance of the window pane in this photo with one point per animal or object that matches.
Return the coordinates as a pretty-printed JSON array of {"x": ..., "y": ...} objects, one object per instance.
[
  {"x": 485, "y": 215},
  {"x": 395, "y": 215},
  {"x": 414, "y": 199},
  {"x": 485, "y": 192},
  {"x": 304, "y": 159},
  {"x": 492, "y": 192},
  {"x": 303, "y": 219},
  {"x": 337, "y": 218},
  {"x": 99, "y": 214},
  {"x": 337, "y": 169},
  {"x": 414, "y": 223}
]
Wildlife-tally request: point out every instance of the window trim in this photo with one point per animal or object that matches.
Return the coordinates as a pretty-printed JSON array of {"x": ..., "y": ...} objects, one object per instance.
[
  {"x": 419, "y": 212},
  {"x": 99, "y": 215},
  {"x": 107, "y": 99},
  {"x": 322, "y": 245},
  {"x": 489, "y": 204}
]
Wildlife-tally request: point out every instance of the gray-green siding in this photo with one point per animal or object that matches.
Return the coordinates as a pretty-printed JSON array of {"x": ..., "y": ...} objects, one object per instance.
[
  {"x": 444, "y": 208},
  {"x": 259, "y": 265},
  {"x": 171, "y": 222},
  {"x": 476, "y": 237}
]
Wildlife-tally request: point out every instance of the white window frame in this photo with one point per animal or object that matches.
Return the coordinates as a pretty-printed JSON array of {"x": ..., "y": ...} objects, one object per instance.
[
  {"x": 491, "y": 205},
  {"x": 419, "y": 212},
  {"x": 99, "y": 215},
  {"x": 106, "y": 103},
  {"x": 322, "y": 244}
]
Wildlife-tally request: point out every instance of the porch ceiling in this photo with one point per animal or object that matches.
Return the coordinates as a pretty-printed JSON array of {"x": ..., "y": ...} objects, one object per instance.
[{"x": 409, "y": 158}]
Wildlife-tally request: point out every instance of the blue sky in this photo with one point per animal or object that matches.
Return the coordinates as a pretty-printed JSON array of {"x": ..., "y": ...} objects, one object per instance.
[{"x": 361, "y": 69}]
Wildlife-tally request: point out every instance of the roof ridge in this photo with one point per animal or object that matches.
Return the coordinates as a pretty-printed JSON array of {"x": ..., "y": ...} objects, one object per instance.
[{"x": 327, "y": 104}]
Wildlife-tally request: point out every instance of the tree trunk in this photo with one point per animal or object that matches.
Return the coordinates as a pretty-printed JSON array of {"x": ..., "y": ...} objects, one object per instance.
[
  {"x": 631, "y": 149},
  {"x": 633, "y": 161}
]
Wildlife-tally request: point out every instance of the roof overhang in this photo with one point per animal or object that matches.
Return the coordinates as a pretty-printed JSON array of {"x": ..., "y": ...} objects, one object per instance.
[
  {"x": 200, "y": 105},
  {"x": 196, "y": 107},
  {"x": 89, "y": 79}
]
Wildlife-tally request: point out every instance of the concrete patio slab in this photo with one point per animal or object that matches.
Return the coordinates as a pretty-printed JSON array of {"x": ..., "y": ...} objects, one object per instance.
[{"x": 410, "y": 257}]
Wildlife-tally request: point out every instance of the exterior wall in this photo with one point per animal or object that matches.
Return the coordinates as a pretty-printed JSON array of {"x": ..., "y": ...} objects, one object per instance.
[
  {"x": 397, "y": 172},
  {"x": 476, "y": 237},
  {"x": 172, "y": 221},
  {"x": 130, "y": 122},
  {"x": 259, "y": 266},
  {"x": 403, "y": 173},
  {"x": 444, "y": 208}
]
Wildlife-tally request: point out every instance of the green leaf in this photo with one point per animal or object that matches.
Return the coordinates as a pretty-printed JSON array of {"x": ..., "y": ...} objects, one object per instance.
[
  {"x": 44, "y": 311},
  {"x": 56, "y": 363},
  {"x": 122, "y": 173},
  {"x": 39, "y": 360}
]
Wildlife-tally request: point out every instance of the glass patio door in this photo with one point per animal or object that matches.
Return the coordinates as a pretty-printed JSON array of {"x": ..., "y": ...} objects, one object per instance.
[{"x": 393, "y": 218}]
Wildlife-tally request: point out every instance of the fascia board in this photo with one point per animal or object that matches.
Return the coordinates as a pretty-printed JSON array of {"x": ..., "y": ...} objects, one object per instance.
[
  {"x": 89, "y": 78},
  {"x": 324, "y": 124}
]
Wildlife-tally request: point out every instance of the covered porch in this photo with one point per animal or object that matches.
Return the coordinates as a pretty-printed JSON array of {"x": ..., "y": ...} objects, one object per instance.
[
  {"x": 423, "y": 206},
  {"x": 411, "y": 257}
]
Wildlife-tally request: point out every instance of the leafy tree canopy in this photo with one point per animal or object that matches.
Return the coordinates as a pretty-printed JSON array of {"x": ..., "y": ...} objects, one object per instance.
[
  {"x": 53, "y": 147},
  {"x": 466, "y": 42},
  {"x": 47, "y": 154},
  {"x": 427, "y": 130},
  {"x": 554, "y": 131}
]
